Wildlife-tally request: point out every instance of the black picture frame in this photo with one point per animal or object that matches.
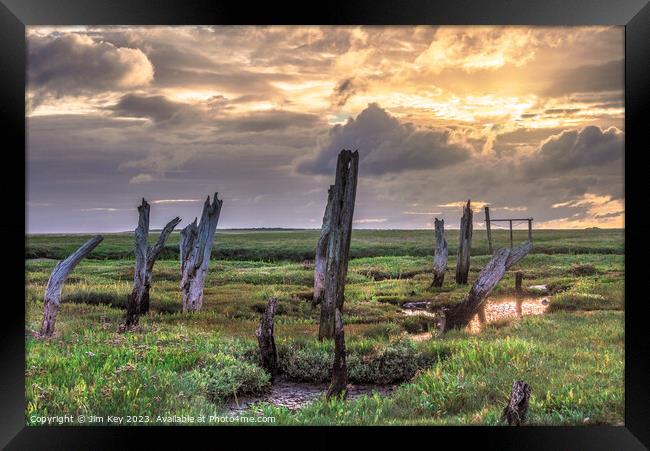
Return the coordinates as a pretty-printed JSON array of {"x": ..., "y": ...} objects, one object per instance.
[{"x": 633, "y": 14}]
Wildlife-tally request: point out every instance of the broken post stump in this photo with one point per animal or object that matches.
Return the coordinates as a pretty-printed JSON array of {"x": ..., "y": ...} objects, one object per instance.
[
  {"x": 461, "y": 314},
  {"x": 195, "y": 249},
  {"x": 338, "y": 246},
  {"x": 264, "y": 333},
  {"x": 517, "y": 408},
  {"x": 440, "y": 254},
  {"x": 52, "y": 299},
  {"x": 339, "y": 383},
  {"x": 320, "y": 261},
  {"x": 464, "y": 245},
  {"x": 519, "y": 277},
  {"x": 145, "y": 257}
]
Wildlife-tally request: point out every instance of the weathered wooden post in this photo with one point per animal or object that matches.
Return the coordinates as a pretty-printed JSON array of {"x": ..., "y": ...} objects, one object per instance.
[
  {"x": 511, "y": 241},
  {"x": 440, "y": 254},
  {"x": 339, "y": 382},
  {"x": 461, "y": 314},
  {"x": 145, "y": 257},
  {"x": 338, "y": 247},
  {"x": 52, "y": 299},
  {"x": 264, "y": 333},
  {"x": 464, "y": 245},
  {"x": 489, "y": 229},
  {"x": 320, "y": 261},
  {"x": 196, "y": 248},
  {"x": 517, "y": 408},
  {"x": 519, "y": 277},
  {"x": 530, "y": 229}
]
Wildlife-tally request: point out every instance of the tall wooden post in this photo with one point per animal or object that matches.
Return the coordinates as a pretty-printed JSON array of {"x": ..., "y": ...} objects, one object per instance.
[
  {"x": 196, "y": 248},
  {"x": 511, "y": 241},
  {"x": 145, "y": 257},
  {"x": 530, "y": 229},
  {"x": 320, "y": 261},
  {"x": 440, "y": 254},
  {"x": 464, "y": 245},
  {"x": 338, "y": 247},
  {"x": 489, "y": 229}
]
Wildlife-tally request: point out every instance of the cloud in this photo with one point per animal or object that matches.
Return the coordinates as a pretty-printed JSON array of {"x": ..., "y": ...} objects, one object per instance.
[
  {"x": 74, "y": 64},
  {"x": 475, "y": 204},
  {"x": 175, "y": 201},
  {"x": 157, "y": 108},
  {"x": 141, "y": 178},
  {"x": 101, "y": 209},
  {"x": 478, "y": 48},
  {"x": 370, "y": 221},
  {"x": 426, "y": 213},
  {"x": 345, "y": 89},
  {"x": 386, "y": 145},
  {"x": 577, "y": 150},
  {"x": 588, "y": 78},
  {"x": 262, "y": 121},
  {"x": 593, "y": 209}
]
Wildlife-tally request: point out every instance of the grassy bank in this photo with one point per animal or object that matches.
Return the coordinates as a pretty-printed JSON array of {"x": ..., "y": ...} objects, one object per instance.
[{"x": 299, "y": 245}]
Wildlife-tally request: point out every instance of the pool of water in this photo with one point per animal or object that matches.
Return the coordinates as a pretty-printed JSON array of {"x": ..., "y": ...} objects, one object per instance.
[{"x": 295, "y": 395}]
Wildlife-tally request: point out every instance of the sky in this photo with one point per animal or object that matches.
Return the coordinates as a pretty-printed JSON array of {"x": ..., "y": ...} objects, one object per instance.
[{"x": 527, "y": 120}]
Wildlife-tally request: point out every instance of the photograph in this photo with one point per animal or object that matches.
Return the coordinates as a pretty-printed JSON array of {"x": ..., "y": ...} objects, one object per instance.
[{"x": 325, "y": 225}]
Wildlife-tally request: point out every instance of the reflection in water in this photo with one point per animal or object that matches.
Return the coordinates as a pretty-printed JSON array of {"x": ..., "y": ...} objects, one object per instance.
[
  {"x": 295, "y": 395},
  {"x": 508, "y": 307}
]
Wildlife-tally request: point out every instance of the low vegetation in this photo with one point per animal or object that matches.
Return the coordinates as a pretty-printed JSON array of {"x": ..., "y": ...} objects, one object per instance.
[{"x": 176, "y": 363}]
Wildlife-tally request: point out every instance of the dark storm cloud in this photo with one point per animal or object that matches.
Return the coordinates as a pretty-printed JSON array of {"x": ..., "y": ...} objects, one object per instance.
[
  {"x": 509, "y": 142},
  {"x": 157, "y": 108},
  {"x": 73, "y": 64},
  {"x": 578, "y": 149},
  {"x": 588, "y": 78},
  {"x": 261, "y": 121},
  {"x": 386, "y": 145},
  {"x": 345, "y": 89}
]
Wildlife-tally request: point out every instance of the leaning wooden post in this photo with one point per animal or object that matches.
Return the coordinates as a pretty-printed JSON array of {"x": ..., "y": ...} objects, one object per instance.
[
  {"x": 145, "y": 257},
  {"x": 489, "y": 229},
  {"x": 517, "y": 408},
  {"x": 62, "y": 270},
  {"x": 464, "y": 245},
  {"x": 339, "y": 383},
  {"x": 320, "y": 261},
  {"x": 264, "y": 333},
  {"x": 440, "y": 254},
  {"x": 196, "y": 248},
  {"x": 511, "y": 241},
  {"x": 461, "y": 314},
  {"x": 338, "y": 247}
]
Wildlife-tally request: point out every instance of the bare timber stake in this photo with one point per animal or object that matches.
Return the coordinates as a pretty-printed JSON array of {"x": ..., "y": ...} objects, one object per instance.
[
  {"x": 52, "y": 300},
  {"x": 516, "y": 410},
  {"x": 264, "y": 333}
]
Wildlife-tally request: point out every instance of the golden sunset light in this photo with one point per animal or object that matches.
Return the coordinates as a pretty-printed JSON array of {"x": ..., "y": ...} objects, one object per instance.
[{"x": 523, "y": 116}]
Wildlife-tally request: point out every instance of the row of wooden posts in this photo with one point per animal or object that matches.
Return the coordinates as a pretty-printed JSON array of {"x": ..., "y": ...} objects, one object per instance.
[{"x": 331, "y": 264}]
